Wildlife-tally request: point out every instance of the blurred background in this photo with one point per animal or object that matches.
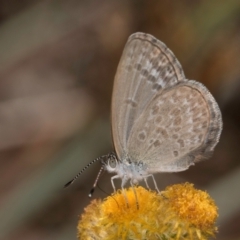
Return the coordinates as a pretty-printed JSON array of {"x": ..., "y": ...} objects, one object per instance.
[{"x": 57, "y": 64}]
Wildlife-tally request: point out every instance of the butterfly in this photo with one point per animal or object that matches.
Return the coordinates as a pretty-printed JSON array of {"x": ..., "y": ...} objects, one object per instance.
[{"x": 161, "y": 121}]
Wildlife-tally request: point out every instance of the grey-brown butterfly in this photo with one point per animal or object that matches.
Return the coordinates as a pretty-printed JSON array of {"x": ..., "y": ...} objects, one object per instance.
[{"x": 161, "y": 122}]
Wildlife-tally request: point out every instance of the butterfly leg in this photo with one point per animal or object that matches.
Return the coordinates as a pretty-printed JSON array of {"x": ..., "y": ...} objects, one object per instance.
[
  {"x": 124, "y": 181},
  {"x": 134, "y": 191},
  {"x": 112, "y": 178},
  {"x": 145, "y": 180},
  {"x": 154, "y": 182}
]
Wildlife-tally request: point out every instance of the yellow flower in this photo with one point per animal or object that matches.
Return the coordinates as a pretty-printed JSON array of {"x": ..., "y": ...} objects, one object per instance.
[{"x": 179, "y": 212}]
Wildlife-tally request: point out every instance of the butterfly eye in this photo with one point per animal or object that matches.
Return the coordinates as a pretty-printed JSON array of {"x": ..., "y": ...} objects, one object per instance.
[{"x": 112, "y": 163}]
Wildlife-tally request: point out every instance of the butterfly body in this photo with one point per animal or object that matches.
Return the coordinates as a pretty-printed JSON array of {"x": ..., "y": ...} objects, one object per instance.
[{"x": 126, "y": 169}]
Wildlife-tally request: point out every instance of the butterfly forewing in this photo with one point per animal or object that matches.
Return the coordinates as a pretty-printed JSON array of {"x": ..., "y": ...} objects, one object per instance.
[
  {"x": 178, "y": 127},
  {"x": 146, "y": 69}
]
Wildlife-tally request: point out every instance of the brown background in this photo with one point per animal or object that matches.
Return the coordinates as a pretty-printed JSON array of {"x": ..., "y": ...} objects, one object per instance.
[{"x": 57, "y": 64}]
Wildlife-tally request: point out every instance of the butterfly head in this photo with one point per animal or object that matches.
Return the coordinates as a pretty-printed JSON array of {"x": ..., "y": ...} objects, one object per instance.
[{"x": 110, "y": 162}]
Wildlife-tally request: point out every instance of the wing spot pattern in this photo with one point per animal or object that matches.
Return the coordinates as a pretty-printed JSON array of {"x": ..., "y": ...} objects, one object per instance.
[
  {"x": 162, "y": 131},
  {"x": 156, "y": 87},
  {"x": 144, "y": 72},
  {"x": 175, "y": 153},
  {"x": 158, "y": 120},
  {"x": 156, "y": 143},
  {"x": 138, "y": 66},
  {"x": 131, "y": 102},
  {"x": 175, "y": 136},
  {"x": 142, "y": 136},
  {"x": 175, "y": 112},
  {"x": 155, "y": 111},
  {"x": 177, "y": 120},
  {"x": 152, "y": 79},
  {"x": 181, "y": 143}
]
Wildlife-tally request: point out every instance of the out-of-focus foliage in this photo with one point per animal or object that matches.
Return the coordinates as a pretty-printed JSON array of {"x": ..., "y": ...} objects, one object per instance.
[{"x": 57, "y": 64}]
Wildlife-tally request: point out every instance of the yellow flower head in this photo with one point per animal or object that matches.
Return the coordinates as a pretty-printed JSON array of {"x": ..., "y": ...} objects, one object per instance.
[{"x": 179, "y": 212}]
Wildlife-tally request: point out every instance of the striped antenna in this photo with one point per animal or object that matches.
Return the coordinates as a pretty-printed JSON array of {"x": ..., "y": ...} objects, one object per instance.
[
  {"x": 96, "y": 181},
  {"x": 86, "y": 167}
]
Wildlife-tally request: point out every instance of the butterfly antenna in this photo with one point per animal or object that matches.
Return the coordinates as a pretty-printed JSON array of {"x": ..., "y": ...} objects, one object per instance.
[
  {"x": 86, "y": 167},
  {"x": 96, "y": 182}
]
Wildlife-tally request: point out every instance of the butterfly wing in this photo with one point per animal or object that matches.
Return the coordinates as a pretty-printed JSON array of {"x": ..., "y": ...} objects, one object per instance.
[
  {"x": 146, "y": 68},
  {"x": 180, "y": 126}
]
